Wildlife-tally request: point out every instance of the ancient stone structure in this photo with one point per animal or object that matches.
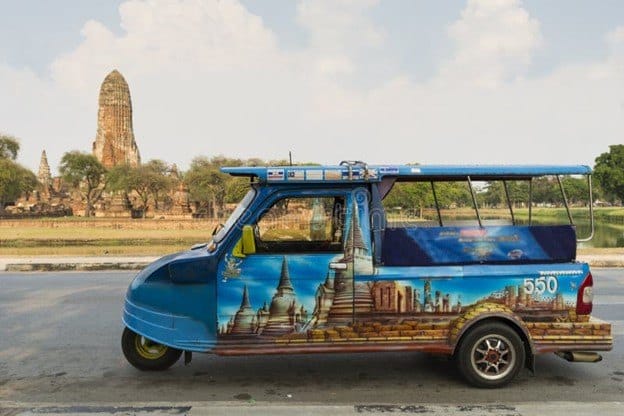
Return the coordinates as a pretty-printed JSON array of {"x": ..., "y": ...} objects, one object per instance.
[
  {"x": 336, "y": 298},
  {"x": 262, "y": 317},
  {"x": 390, "y": 296},
  {"x": 324, "y": 297},
  {"x": 281, "y": 311},
  {"x": 114, "y": 143},
  {"x": 44, "y": 175},
  {"x": 181, "y": 202},
  {"x": 350, "y": 297},
  {"x": 244, "y": 319},
  {"x": 50, "y": 198}
]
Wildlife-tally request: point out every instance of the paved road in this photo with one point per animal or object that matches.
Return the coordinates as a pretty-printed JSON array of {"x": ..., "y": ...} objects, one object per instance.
[{"x": 59, "y": 343}]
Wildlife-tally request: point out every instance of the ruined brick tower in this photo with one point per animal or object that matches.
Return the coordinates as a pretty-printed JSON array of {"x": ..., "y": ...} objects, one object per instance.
[
  {"x": 44, "y": 175},
  {"x": 114, "y": 143}
]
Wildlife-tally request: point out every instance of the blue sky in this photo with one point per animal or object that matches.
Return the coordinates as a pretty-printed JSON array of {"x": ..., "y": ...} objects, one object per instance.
[
  {"x": 36, "y": 31},
  {"x": 445, "y": 82}
]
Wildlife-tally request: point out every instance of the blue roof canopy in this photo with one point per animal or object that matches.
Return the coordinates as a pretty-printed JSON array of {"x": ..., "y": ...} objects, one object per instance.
[{"x": 375, "y": 173}]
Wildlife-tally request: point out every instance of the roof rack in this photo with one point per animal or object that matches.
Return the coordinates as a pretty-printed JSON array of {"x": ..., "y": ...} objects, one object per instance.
[
  {"x": 350, "y": 164},
  {"x": 356, "y": 170}
]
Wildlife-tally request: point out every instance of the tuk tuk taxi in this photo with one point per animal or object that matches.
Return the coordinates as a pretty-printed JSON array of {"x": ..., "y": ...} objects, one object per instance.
[{"x": 310, "y": 261}]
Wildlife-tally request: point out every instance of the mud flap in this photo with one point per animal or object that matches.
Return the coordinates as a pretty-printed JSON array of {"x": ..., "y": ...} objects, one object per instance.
[
  {"x": 188, "y": 356},
  {"x": 530, "y": 362}
]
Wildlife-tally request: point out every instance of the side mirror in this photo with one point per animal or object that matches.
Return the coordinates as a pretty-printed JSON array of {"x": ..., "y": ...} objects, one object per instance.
[{"x": 247, "y": 244}]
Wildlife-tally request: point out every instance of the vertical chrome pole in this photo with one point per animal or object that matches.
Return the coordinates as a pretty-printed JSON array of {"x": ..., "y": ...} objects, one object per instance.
[
  {"x": 530, "y": 200},
  {"x": 565, "y": 200},
  {"x": 435, "y": 199},
  {"x": 513, "y": 219},
  {"x": 474, "y": 201}
]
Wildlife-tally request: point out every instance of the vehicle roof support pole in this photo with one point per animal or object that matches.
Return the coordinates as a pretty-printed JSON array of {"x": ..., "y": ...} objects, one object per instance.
[
  {"x": 435, "y": 200},
  {"x": 565, "y": 200},
  {"x": 591, "y": 211},
  {"x": 474, "y": 201},
  {"x": 530, "y": 201},
  {"x": 513, "y": 219}
]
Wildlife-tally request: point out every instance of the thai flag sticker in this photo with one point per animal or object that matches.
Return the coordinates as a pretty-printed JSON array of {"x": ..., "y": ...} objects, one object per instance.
[
  {"x": 275, "y": 174},
  {"x": 314, "y": 175},
  {"x": 296, "y": 175}
]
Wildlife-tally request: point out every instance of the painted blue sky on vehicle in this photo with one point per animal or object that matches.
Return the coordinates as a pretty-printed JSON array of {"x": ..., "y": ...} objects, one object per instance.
[{"x": 261, "y": 272}]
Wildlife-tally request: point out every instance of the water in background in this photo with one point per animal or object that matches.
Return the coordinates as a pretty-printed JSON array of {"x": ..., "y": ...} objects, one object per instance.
[{"x": 606, "y": 235}]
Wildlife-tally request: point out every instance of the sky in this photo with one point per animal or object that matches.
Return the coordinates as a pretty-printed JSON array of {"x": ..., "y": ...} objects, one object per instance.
[{"x": 404, "y": 81}]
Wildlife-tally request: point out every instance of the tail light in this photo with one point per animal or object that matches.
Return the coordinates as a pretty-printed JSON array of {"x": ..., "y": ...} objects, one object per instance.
[{"x": 585, "y": 296}]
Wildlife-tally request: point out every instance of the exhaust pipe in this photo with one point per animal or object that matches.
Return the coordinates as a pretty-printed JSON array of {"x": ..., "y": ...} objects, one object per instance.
[{"x": 580, "y": 356}]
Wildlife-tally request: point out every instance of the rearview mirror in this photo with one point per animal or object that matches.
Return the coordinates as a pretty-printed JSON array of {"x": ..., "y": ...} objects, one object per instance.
[{"x": 247, "y": 244}]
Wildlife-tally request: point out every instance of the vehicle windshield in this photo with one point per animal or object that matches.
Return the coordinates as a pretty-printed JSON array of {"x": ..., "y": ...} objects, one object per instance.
[{"x": 242, "y": 206}]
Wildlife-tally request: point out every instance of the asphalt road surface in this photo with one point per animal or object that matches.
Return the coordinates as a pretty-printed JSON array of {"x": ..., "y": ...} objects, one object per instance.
[{"x": 60, "y": 344}]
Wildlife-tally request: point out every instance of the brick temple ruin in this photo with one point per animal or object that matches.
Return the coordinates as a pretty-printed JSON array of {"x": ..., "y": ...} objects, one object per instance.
[
  {"x": 114, "y": 142},
  {"x": 114, "y": 145}
]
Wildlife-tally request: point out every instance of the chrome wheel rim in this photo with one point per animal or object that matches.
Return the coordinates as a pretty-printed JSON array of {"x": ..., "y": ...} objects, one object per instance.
[{"x": 493, "y": 357}]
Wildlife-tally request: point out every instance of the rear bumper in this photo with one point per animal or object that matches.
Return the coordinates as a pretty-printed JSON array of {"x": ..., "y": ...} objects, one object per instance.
[{"x": 593, "y": 335}]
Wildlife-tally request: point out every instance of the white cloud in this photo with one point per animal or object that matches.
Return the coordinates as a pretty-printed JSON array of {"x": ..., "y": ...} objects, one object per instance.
[
  {"x": 495, "y": 40},
  {"x": 615, "y": 40},
  {"x": 339, "y": 32},
  {"x": 339, "y": 26},
  {"x": 208, "y": 77}
]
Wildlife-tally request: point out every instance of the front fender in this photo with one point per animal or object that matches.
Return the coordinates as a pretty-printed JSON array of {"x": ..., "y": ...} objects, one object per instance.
[{"x": 173, "y": 301}]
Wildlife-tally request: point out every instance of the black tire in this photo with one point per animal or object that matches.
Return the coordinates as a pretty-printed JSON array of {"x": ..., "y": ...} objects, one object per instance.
[
  {"x": 145, "y": 354},
  {"x": 490, "y": 355}
]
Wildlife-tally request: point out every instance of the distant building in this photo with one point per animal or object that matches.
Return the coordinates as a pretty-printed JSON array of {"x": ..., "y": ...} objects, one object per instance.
[{"x": 114, "y": 142}]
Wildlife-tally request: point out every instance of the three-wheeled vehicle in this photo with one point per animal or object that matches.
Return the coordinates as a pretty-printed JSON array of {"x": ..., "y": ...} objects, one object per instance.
[{"x": 311, "y": 261}]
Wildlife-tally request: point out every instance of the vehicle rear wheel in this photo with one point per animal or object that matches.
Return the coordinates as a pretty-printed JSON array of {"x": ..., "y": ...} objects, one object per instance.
[
  {"x": 146, "y": 354},
  {"x": 490, "y": 355}
]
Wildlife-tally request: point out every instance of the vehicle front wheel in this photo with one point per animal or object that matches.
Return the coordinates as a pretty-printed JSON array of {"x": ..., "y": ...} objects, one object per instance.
[
  {"x": 490, "y": 355},
  {"x": 146, "y": 354}
]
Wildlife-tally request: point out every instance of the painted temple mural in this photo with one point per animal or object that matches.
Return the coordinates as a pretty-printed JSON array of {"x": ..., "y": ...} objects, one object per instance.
[{"x": 323, "y": 297}]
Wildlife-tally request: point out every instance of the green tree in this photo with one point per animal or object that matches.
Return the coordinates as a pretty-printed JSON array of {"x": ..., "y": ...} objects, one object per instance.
[
  {"x": 160, "y": 181},
  {"x": 576, "y": 190},
  {"x": 207, "y": 185},
  {"x": 414, "y": 196},
  {"x": 609, "y": 171},
  {"x": 9, "y": 147},
  {"x": 147, "y": 180},
  {"x": 86, "y": 174},
  {"x": 15, "y": 179}
]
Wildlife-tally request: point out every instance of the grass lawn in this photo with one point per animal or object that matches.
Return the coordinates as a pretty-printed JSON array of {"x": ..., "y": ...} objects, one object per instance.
[
  {"x": 86, "y": 237},
  {"x": 155, "y": 237}
]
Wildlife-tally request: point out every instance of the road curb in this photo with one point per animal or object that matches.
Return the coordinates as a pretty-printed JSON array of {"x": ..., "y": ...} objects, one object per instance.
[
  {"x": 304, "y": 409},
  {"x": 56, "y": 267}
]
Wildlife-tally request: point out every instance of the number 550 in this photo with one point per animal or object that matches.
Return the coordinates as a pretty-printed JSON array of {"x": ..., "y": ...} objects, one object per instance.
[{"x": 541, "y": 284}]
